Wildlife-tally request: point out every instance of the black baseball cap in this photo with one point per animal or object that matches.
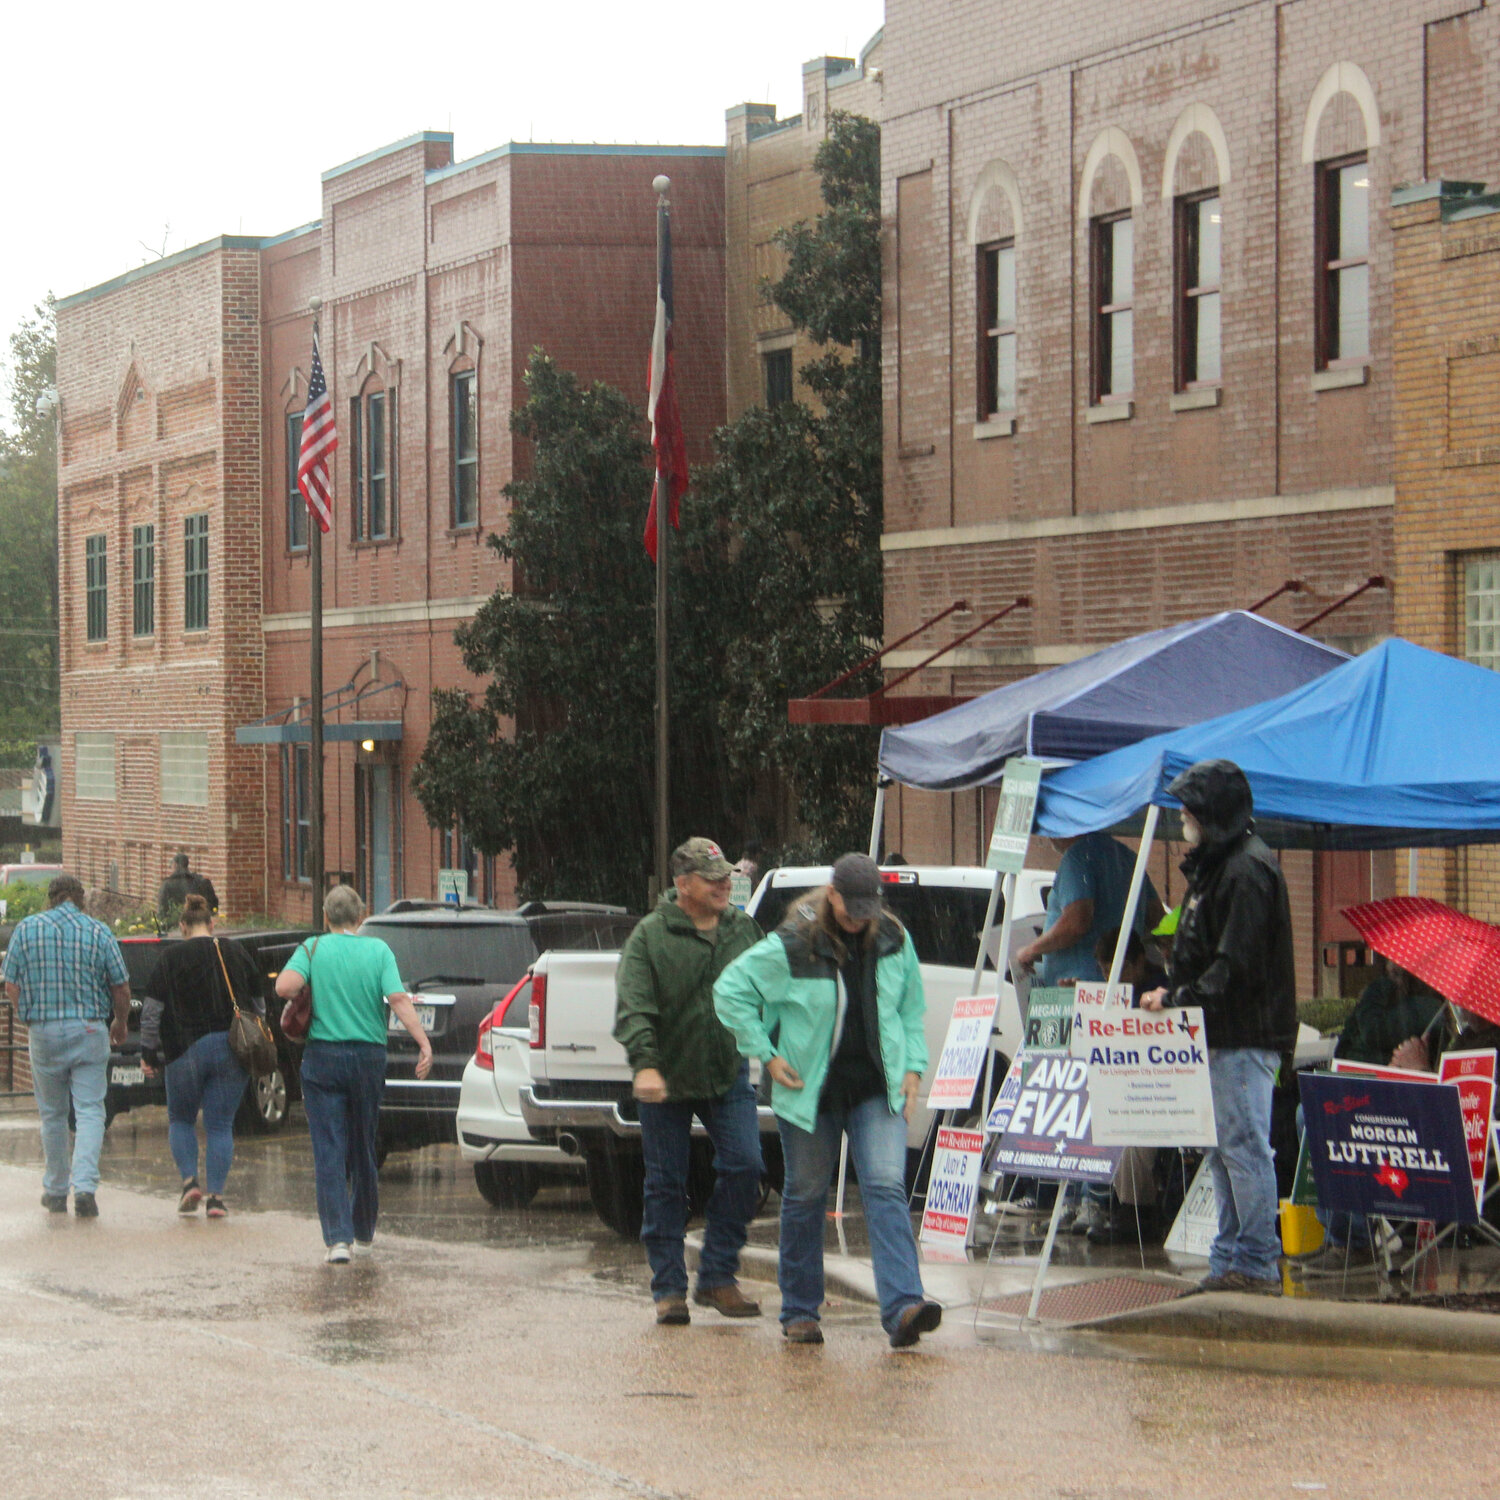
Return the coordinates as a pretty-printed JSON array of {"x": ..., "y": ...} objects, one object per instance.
[{"x": 856, "y": 877}]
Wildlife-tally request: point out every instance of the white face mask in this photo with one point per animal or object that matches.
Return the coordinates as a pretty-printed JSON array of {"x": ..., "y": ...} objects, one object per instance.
[{"x": 1192, "y": 834}]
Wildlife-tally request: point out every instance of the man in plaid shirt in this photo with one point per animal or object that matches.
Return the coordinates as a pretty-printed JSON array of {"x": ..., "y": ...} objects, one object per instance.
[{"x": 67, "y": 973}]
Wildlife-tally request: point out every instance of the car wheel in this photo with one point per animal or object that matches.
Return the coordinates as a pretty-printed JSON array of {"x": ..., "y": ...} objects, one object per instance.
[
  {"x": 616, "y": 1180},
  {"x": 506, "y": 1184},
  {"x": 263, "y": 1108}
]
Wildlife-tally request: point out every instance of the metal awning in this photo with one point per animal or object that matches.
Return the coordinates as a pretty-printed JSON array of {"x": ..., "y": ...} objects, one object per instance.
[{"x": 293, "y": 725}]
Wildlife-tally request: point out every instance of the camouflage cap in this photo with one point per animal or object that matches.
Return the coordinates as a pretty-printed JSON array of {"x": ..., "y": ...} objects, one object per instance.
[{"x": 700, "y": 857}]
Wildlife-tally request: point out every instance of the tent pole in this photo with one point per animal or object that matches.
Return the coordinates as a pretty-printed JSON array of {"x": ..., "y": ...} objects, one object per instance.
[
  {"x": 877, "y": 823},
  {"x": 1133, "y": 900}
]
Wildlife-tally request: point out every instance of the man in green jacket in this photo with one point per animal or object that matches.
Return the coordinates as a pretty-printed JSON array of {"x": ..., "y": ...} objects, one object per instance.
[{"x": 685, "y": 1063}]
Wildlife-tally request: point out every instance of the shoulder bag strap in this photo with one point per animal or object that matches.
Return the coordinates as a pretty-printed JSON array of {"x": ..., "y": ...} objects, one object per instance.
[{"x": 234, "y": 1003}]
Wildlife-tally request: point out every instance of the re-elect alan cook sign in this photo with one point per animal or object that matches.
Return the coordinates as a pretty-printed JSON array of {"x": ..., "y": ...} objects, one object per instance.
[{"x": 1148, "y": 1078}]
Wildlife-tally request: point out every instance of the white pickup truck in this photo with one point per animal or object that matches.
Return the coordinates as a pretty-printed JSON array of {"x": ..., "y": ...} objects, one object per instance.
[{"x": 580, "y": 1092}]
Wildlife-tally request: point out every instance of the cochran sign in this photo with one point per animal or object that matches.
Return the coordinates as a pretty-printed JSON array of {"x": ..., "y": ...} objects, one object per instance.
[
  {"x": 952, "y": 1187},
  {"x": 1385, "y": 1147},
  {"x": 1148, "y": 1078},
  {"x": 1474, "y": 1073},
  {"x": 964, "y": 1050},
  {"x": 1046, "y": 1122}
]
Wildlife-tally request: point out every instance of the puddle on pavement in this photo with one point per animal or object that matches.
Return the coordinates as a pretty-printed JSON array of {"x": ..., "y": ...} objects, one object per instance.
[{"x": 350, "y": 1341}]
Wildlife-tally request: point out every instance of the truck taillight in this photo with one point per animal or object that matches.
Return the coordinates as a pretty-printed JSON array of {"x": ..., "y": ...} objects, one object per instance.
[
  {"x": 537, "y": 1011},
  {"x": 484, "y": 1048}
]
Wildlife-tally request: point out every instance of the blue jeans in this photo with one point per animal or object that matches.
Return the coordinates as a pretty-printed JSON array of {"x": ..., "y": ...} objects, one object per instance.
[
  {"x": 877, "y": 1143},
  {"x": 666, "y": 1130},
  {"x": 70, "y": 1060},
  {"x": 1244, "y": 1171},
  {"x": 209, "y": 1077},
  {"x": 341, "y": 1087}
]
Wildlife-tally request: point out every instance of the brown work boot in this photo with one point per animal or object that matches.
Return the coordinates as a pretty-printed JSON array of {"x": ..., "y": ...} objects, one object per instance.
[
  {"x": 673, "y": 1311},
  {"x": 803, "y": 1331},
  {"x": 729, "y": 1300}
]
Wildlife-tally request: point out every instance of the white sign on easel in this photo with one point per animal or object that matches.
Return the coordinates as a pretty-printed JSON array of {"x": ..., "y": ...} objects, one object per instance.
[
  {"x": 1148, "y": 1078},
  {"x": 1091, "y": 998},
  {"x": 952, "y": 1190},
  {"x": 1197, "y": 1221},
  {"x": 964, "y": 1051}
]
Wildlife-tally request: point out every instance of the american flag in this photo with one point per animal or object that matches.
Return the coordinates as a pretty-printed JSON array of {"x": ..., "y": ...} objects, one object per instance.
[
  {"x": 320, "y": 439},
  {"x": 661, "y": 405}
]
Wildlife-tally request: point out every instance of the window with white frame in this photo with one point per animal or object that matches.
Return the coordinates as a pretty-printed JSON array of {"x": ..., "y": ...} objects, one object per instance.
[
  {"x": 184, "y": 768},
  {"x": 94, "y": 766},
  {"x": 1481, "y": 622}
]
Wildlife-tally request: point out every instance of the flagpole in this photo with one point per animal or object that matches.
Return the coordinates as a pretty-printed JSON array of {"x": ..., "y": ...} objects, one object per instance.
[
  {"x": 662, "y": 186},
  {"x": 315, "y": 685}
]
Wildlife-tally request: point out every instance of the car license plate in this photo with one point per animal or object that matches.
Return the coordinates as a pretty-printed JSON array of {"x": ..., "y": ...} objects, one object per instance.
[
  {"x": 426, "y": 1014},
  {"x": 127, "y": 1074}
]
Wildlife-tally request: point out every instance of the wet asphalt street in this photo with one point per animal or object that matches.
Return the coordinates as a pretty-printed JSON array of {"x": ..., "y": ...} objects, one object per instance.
[{"x": 483, "y": 1353}]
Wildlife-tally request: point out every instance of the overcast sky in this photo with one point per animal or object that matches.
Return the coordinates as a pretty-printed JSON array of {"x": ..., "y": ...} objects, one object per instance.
[{"x": 128, "y": 128}]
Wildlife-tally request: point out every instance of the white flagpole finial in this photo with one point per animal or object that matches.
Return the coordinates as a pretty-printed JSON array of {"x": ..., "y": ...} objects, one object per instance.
[
  {"x": 315, "y": 305},
  {"x": 661, "y": 186}
]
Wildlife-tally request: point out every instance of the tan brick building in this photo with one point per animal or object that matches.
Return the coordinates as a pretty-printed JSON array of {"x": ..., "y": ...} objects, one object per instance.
[
  {"x": 770, "y": 183},
  {"x": 184, "y": 572},
  {"x": 1447, "y": 432},
  {"x": 1138, "y": 341}
]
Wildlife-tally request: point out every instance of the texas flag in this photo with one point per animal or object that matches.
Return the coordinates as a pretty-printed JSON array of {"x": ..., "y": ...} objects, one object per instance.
[{"x": 661, "y": 404}]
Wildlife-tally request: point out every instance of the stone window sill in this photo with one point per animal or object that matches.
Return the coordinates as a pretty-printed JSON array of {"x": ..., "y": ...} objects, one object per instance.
[
  {"x": 1199, "y": 400},
  {"x": 916, "y": 450},
  {"x": 1000, "y": 425},
  {"x": 1111, "y": 411},
  {"x": 1341, "y": 377}
]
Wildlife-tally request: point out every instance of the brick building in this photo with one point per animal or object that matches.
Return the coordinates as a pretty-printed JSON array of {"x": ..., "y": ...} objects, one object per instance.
[
  {"x": 769, "y": 183},
  {"x": 1138, "y": 343},
  {"x": 1447, "y": 432},
  {"x": 184, "y": 569}
]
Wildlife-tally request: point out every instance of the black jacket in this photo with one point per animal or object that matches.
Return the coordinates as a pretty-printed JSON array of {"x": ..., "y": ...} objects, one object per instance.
[
  {"x": 186, "y": 998},
  {"x": 1233, "y": 951}
]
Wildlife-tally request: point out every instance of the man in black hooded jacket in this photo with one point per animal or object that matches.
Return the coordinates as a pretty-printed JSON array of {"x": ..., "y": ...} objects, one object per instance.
[{"x": 1233, "y": 956}]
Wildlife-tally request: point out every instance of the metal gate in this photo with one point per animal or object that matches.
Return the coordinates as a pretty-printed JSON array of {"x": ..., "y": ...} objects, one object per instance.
[{"x": 12, "y": 1046}]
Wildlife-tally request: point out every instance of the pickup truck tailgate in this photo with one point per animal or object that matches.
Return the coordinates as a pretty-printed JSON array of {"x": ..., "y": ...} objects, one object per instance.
[{"x": 580, "y": 1015}]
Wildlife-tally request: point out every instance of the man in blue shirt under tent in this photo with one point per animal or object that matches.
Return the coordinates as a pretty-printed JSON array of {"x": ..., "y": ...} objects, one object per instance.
[
  {"x": 1087, "y": 900},
  {"x": 65, "y": 973}
]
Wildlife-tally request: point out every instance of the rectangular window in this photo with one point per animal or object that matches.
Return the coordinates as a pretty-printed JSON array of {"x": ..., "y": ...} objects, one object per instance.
[
  {"x": 1114, "y": 288},
  {"x": 776, "y": 366},
  {"x": 1481, "y": 582},
  {"x": 357, "y": 468},
  {"x": 195, "y": 572},
  {"x": 997, "y": 329},
  {"x": 94, "y": 767},
  {"x": 1343, "y": 230},
  {"x": 464, "y": 437},
  {"x": 143, "y": 580},
  {"x": 1199, "y": 237},
  {"x": 296, "y": 816},
  {"x": 96, "y": 586},
  {"x": 184, "y": 768},
  {"x": 296, "y": 505},
  {"x": 375, "y": 462}
]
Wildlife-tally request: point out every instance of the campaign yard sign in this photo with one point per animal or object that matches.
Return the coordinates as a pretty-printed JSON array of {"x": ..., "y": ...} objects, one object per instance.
[
  {"x": 1046, "y": 1122},
  {"x": 964, "y": 1049},
  {"x": 1049, "y": 1018},
  {"x": 1148, "y": 1078},
  {"x": 1019, "y": 784},
  {"x": 952, "y": 1188},
  {"x": 1388, "y": 1147},
  {"x": 1474, "y": 1073},
  {"x": 1093, "y": 998}
]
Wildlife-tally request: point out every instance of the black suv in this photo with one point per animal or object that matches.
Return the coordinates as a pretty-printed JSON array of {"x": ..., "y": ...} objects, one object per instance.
[
  {"x": 264, "y": 1106},
  {"x": 458, "y": 963}
]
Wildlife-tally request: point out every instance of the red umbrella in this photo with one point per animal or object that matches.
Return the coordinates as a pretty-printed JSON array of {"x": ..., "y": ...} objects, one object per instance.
[{"x": 1458, "y": 955}]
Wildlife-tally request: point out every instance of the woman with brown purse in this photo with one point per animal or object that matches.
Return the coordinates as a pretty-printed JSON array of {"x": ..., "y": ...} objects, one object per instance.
[{"x": 190, "y": 1006}]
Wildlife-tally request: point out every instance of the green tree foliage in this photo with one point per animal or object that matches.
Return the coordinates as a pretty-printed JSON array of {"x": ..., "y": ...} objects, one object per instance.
[
  {"x": 569, "y": 654},
  {"x": 28, "y": 552},
  {"x": 798, "y": 496}
]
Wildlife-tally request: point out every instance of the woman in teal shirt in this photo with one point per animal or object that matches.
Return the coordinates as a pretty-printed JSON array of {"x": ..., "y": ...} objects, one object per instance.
[{"x": 343, "y": 1065}]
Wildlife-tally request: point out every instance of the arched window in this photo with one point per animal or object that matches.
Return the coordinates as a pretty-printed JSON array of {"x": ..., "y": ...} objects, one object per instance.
[
  {"x": 1194, "y": 173},
  {"x": 373, "y": 446},
  {"x": 994, "y": 231},
  {"x": 1109, "y": 198}
]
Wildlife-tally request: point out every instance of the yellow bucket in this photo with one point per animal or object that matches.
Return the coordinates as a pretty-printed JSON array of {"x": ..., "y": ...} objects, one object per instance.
[{"x": 1301, "y": 1233}]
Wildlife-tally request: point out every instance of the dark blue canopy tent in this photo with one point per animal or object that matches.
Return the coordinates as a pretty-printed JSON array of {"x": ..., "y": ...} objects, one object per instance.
[
  {"x": 1394, "y": 749},
  {"x": 1159, "y": 681}
]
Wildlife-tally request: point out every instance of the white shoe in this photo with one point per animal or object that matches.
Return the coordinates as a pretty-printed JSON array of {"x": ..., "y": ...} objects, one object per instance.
[
  {"x": 338, "y": 1255},
  {"x": 364, "y": 1247},
  {"x": 1089, "y": 1216}
]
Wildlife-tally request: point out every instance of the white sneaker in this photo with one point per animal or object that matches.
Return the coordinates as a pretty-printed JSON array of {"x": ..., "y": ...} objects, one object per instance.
[
  {"x": 363, "y": 1247},
  {"x": 1089, "y": 1216},
  {"x": 338, "y": 1255}
]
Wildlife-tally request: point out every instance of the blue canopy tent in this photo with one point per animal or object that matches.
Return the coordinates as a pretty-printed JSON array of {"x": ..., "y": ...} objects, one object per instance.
[
  {"x": 1394, "y": 749},
  {"x": 1126, "y": 692}
]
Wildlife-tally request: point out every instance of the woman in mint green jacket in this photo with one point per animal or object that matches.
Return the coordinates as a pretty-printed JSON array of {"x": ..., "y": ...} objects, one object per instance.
[{"x": 838, "y": 984}]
